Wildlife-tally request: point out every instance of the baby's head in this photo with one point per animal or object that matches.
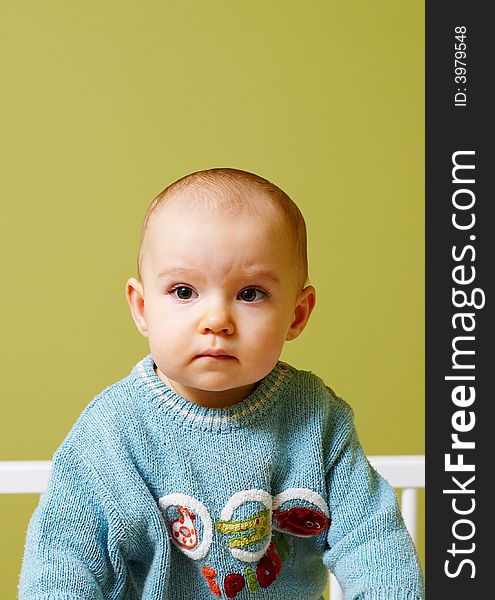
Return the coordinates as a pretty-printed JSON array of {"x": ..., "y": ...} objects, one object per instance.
[{"x": 222, "y": 271}]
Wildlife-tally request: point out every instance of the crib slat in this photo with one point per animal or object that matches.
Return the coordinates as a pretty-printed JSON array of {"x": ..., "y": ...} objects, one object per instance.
[
  {"x": 335, "y": 589},
  {"x": 409, "y": 509}
]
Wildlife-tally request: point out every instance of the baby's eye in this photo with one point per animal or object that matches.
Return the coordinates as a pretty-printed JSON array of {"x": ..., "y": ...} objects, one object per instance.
[
  {"x": 251, "y": 295},
  {"x": 183, "y": 292}
]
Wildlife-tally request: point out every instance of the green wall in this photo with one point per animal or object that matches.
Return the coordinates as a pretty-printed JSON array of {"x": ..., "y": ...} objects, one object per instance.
[{"x": 105, "y": 103}]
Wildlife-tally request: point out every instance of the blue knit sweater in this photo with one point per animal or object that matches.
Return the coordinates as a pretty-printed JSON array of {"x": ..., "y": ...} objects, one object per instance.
[{"x": 154, "y": 497}]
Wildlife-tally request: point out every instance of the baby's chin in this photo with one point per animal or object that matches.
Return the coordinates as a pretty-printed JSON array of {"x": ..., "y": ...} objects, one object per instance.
[
  {"x": 213, "y": 391},
  {"x": 214, "y": 378},
  {"x": 223, "y": 382}
]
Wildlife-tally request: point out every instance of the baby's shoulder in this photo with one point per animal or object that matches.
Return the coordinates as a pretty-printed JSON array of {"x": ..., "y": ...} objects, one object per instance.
[
  {"x": 312, "y": 389},
  {"x": 104, "y": 421}
]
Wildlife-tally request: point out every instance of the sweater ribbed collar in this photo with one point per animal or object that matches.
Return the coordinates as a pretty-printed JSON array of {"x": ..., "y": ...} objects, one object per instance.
[{"x": 195, "y": 416}]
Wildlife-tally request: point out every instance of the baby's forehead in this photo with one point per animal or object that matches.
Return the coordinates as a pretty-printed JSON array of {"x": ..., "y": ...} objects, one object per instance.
[
  {"x": 218, "y": 211},
  {"x": 243, "y": 236}
]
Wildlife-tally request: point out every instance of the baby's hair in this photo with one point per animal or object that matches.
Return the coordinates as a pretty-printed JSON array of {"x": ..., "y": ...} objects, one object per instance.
[{"x": 226, "y": 187}]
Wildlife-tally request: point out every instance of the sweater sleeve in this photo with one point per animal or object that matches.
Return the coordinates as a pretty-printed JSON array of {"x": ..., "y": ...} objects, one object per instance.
[
  {"x": 73, "y": 541},
  {"x": 369, "y": 549}
]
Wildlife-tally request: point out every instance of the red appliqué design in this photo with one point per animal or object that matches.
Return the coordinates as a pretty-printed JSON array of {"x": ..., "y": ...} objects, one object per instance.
[
  {"x": 301, "y": 521},
  {"x": 183, "y": 529},
  {"x": 269, "y": 567},
  {"x": 233, "y": 584},
  {"x": 267, "y": 571},
  {"x": 210, "y": 575}
]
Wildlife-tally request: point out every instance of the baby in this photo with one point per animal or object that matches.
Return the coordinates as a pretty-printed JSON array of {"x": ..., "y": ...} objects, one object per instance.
[{"x": 213, "y": 469}]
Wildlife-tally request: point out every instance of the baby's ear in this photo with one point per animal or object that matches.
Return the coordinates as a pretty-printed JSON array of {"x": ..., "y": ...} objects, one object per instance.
[
  {"x": 302, "y": 311},
  {"x": 134, "y": 294}
]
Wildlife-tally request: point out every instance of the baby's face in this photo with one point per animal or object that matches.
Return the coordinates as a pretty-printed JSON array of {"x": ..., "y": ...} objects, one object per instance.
[{"x": 220, "y": 299}]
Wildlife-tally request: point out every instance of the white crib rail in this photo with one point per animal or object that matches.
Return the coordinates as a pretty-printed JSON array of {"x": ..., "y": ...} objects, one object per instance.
[
  {"x": 24, "y": 476},
  {"x": 406, "y": 473}
]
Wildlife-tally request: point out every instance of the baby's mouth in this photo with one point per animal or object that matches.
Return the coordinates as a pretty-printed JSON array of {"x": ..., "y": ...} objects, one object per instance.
[
  {"x": 222, "y": 357},
  {"x": 215, "y": 354}
]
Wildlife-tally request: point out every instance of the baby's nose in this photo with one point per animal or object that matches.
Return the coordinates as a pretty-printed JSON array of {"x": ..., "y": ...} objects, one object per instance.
[{"x": 217, "y": 318}]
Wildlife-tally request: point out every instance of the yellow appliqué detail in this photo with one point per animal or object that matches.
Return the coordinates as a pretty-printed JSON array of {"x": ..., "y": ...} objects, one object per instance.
[{"x": 258, "y": 525}]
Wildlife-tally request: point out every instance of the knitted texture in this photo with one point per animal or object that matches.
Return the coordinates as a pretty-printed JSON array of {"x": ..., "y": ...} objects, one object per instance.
[{"x": 154, "y": 497}]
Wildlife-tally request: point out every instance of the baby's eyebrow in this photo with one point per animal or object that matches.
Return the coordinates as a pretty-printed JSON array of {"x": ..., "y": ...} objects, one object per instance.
[
  {"x": 262, "y": 274},
  {"x": 248, "y": 273},
  {"x": 176, "y": 271}
]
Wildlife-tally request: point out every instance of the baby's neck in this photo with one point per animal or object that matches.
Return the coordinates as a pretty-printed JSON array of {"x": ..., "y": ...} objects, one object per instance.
[{"x": 206, "y": 398}]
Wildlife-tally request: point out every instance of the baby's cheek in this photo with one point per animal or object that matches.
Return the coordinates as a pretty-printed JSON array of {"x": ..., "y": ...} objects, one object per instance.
[
  {"x": 268, "y": 345},
  {"x": 273, "y": 332}
]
